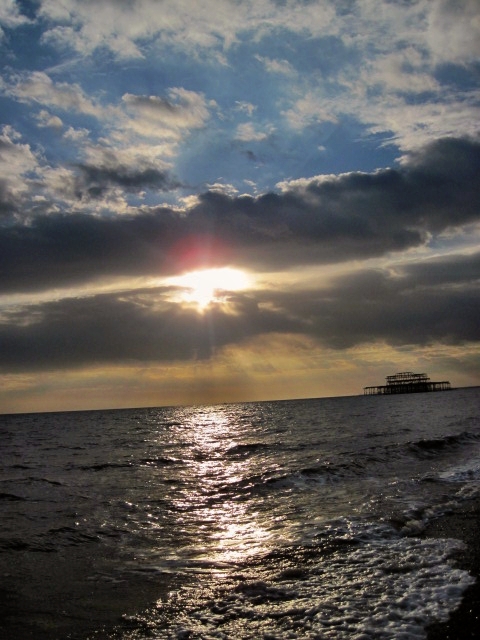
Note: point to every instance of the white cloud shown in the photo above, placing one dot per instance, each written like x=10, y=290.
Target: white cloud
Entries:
x=38, y=87
x=394, y=47
x=154, y=115
x=46, y=119
x=86, y=41
x=454, y=30
x=310, y=108
x=146, y=115
x=119, y=26
x=397, y=49
x=76, y=135
x=10, y=15
x=153, y=125
x=59, y=183
x=245, y=107
x=16, y=161
x=449, y=28
x=413, y=124
x=124, y=27
x=222, y=188
x=246, y=132
x=276, y=66
x=136, y=156
x=400, y=71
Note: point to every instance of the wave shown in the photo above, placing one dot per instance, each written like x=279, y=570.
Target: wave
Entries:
x=11, y=497
x=102, y=466
x=13, y=544
x=359, y=581
x=160, y=461
x=350, y=466
x=426, y=448
x=55, y=483
x=28, y=480
x=72, y=536
x=56, y=538
x=241, y=450
x=421, y=449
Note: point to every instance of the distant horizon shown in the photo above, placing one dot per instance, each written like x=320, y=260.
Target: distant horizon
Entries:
x=219, y=404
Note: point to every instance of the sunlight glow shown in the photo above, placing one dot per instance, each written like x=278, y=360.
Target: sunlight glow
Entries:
x=209, y=285
x=230, y=531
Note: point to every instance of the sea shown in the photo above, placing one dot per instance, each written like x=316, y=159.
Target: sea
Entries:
x=264, y=520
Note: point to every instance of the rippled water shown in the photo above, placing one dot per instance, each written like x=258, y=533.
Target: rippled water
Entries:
x=296, y=519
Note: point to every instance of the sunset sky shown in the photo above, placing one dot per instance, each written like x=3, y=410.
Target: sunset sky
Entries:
x=228, y=200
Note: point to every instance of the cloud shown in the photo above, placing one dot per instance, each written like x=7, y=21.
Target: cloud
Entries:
x=165, y=118
x=10, y=15
x=93, y=182
x=76, y=135
x=246, y=133
x=37, y=86
x=29, y=186
x=139, y=137
x=276, y=66
x=316, y=221
x=435, y=301
x=432, y=302
x=454, y=31
x=449, y=270
x=382, y=68
x=154, y=115
x=17, y=161
x=132, y=326
x=122, y=26
x=406, y=71
x=309, y=110
x=107, y=172
x=45, y=119
x=128, y=27
x=245, y=107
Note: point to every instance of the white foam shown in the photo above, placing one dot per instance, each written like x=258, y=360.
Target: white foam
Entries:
x=380, y=589
x=467, y=472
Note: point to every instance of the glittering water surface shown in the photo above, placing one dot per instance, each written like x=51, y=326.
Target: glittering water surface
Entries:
x=297, y=519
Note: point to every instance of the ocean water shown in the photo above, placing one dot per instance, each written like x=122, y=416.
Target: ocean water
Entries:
x=273, y=520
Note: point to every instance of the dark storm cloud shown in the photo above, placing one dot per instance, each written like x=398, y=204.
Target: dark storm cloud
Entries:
x=434, y=301
x=69, y=249
x=437, y=301
x=132, y=326
x=8, y=203
x=153, y=103
x=94, y=181
x=448, y=270
x=329, y=219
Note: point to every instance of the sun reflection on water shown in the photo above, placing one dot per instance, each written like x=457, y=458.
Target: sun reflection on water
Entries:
x=229, y=530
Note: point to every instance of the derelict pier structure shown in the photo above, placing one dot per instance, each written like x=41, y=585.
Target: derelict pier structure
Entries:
x=407, y=382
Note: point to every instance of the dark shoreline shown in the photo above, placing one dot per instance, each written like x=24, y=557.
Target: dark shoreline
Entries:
x=463, y=523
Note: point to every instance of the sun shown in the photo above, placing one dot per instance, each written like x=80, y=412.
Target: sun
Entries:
x=205, y=286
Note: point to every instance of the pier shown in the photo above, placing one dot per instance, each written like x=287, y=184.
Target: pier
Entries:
x=406, y=382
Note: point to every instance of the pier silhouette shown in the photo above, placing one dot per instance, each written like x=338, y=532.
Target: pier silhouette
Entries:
x=407, y=382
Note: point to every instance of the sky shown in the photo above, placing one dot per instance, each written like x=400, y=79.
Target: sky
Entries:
x=234, y=200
